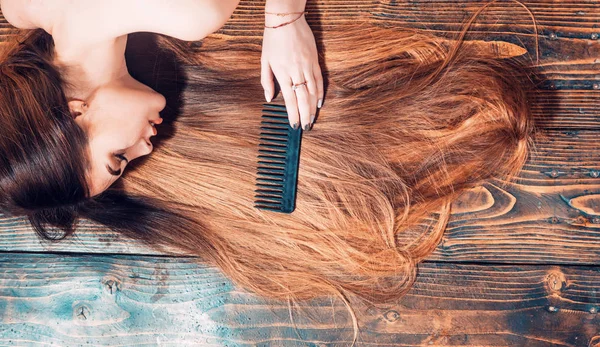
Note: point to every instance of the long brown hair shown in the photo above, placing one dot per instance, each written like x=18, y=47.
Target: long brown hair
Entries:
x=409, y=123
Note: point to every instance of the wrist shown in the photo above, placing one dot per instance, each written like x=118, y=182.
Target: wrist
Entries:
x=273, y=24
x=283, y=12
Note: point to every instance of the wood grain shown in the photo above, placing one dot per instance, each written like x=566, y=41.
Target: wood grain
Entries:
x=511, y=270
x=124, y=300
x=569, y=19
x=568, y=31
x=567, y=110
x=549, y=215
x=527, y=222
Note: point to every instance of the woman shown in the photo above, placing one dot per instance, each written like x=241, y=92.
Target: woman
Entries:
x=411, y=123
x=90, y=39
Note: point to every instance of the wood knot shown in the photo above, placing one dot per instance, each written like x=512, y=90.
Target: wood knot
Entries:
x=554, y=173
x=81, y=312
x=391, y=315
x=111, y=284
x=556, y=281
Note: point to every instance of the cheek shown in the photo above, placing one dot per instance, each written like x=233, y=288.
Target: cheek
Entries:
x=123, y=130
x=107, y=140
x=132, y=119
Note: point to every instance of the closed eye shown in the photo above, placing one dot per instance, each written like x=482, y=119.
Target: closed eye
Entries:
x=121, y=158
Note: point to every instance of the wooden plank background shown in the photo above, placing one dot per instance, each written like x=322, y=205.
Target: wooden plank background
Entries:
x=516, y=267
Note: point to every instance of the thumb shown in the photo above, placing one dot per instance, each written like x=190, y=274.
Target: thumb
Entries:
x=266, y=80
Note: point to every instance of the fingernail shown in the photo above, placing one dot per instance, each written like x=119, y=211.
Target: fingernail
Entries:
x=320, y=103
x=267, y=97
x=312, y=119
x=295, y=126
x=307, y=127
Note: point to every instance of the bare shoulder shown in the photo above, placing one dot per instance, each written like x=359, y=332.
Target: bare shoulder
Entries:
x=79, y=26
x=17, y=13
x=91, y=21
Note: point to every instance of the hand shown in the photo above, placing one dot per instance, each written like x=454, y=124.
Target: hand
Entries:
x=290, y=52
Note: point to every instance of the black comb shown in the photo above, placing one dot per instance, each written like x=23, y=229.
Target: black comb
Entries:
x=278, y=158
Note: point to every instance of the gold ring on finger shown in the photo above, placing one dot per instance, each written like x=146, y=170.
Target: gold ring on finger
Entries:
x=296, y=86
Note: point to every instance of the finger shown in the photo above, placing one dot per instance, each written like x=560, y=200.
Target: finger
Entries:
x=319, y=81
x=291, y=104
x=311, y=86
x=266, y=80
x=302, y=95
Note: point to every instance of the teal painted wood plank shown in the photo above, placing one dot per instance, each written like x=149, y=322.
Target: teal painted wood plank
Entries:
x=126, y=300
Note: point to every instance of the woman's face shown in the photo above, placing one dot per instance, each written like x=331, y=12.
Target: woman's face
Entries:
x=118, y=118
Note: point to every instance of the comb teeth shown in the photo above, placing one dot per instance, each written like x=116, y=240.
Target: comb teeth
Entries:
x=279, y=154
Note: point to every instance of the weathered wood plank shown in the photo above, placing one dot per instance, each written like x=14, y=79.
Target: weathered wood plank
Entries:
x=124, y=300
x=563, y=158
x=569, y=45
x=569, y=31
x=566, y=109
x=550, y=215
x=567, y=19
x=524, y=225
x=528, y=223
x=541, y=219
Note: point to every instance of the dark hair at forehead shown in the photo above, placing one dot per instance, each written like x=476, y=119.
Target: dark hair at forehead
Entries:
x=43, y=152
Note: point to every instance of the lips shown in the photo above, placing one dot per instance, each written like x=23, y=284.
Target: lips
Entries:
x=154, y=131
x=153, y=123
